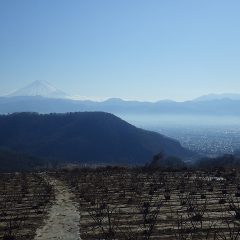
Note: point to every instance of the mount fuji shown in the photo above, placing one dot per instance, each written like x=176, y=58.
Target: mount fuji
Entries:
x=42, y=97
x=39, y=88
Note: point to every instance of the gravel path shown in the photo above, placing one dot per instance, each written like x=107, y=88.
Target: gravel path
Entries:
x=63, y=217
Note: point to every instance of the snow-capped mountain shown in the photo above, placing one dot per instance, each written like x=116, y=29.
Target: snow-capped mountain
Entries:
x=40, y=88
x=221, y=96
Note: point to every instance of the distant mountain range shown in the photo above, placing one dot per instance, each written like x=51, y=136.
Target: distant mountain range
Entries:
x=86, y=138
x=43, y=98
x=212, y=97
x=117, y=106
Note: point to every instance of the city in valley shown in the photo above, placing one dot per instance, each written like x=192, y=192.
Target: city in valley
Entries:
x=209, y=140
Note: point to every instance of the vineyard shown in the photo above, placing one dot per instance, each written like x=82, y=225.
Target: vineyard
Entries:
x=120, y=203
x=24, y=200
x=136, y=204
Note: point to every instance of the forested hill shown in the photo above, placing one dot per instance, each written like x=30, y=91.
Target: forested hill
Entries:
x=11, y=161
x=84, y=137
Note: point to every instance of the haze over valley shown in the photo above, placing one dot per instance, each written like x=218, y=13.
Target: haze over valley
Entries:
x=208, y=125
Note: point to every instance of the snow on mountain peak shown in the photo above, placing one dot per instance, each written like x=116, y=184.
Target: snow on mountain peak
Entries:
x=40, y=88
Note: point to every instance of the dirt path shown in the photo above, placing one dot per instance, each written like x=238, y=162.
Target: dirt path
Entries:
x=63, y=218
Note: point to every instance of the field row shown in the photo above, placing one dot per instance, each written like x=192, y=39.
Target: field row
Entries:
x=23, y=204
x=136, y=204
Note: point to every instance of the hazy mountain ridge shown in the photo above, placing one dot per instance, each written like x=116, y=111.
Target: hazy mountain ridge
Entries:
x=90, y=137
x=42, y=97
x=221, y=96
x=48, y=105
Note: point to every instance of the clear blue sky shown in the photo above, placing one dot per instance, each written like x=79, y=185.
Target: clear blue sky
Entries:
x=133, y=49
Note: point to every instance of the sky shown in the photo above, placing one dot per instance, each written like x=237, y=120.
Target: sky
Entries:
x=131, y=49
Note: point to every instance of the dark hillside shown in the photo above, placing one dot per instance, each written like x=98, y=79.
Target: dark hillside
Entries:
x=84, y=137
x=13, y=161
